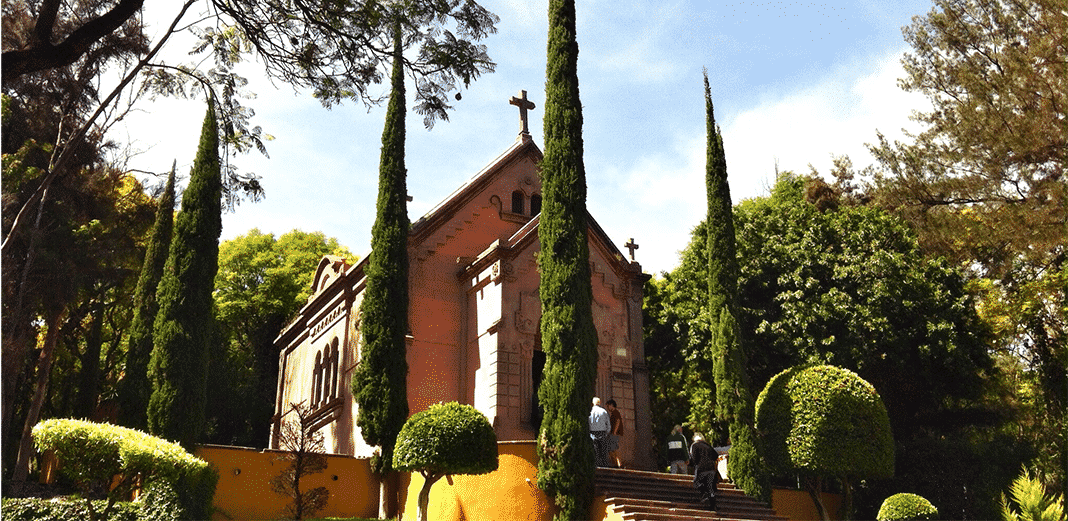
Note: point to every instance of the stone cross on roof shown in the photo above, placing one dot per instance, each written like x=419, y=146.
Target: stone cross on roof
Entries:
x=631, y=245
x=524, y=105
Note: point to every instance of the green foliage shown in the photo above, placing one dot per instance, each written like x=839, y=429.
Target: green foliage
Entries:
x=569, y=338
x=907, y=507
x=379, y=383
x=849, y=286
x=135, y=389
x=825, y=420
x=983, y=182
x=336, y=49
x=91, y=454
x=179, y=363
x=447, y=438
x=1030, y=501
x=65, y=509
x=734, y=402
x=261, y=283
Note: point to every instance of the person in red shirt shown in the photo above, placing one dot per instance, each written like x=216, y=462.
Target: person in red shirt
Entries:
x=616, y=434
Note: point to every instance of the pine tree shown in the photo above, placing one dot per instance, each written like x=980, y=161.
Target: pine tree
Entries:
x=379, y=384
x=569, y=339
x=135, y=390
x=179, y=363
x=734, y=403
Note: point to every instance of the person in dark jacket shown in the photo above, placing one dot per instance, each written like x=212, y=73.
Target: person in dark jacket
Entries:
x=703, y=461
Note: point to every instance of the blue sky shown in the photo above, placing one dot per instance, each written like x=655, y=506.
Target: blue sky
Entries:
x=792, y=84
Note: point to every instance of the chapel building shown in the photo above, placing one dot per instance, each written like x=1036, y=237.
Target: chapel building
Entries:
x=474, y=318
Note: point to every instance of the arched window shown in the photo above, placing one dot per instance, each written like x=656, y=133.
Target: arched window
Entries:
x=317, y=379
x=517, y=202
x=535, y=204
x=324, y=380
x=334, y=359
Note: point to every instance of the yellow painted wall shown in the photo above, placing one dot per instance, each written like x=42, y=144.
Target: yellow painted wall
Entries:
x=244, y=490
x=797, y=505
x=502, y=494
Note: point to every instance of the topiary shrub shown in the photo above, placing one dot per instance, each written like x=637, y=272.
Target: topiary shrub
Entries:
x=93, y=454
x=447, y=438
x=824, y=422
x=906, y=507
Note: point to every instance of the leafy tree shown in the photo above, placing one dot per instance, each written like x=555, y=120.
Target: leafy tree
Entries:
x=983, y=182
x=261, y=283
x=379, y=383
x=305, y=454
x=135, y=390
x=448, y=438
x=182, y=333
x=850, y=286
x=569, y=338
x=734, y=403
x=825, y=422
x=906, y=507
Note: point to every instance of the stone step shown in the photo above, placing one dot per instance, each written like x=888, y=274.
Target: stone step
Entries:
x=690, y=510
x=656, y=496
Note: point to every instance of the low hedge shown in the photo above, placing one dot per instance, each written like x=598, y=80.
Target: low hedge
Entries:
x=92, y=454
x=906, y=507
x=66, y=509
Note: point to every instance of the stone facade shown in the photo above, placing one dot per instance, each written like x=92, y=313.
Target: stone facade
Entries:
x=474, y=315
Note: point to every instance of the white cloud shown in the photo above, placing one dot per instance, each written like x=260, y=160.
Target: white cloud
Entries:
x=661, y=196
x=836, y=115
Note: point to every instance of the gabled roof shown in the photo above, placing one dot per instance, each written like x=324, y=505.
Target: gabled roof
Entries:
x=427, y=223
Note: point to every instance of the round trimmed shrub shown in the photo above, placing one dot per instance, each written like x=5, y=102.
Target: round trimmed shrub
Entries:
x=447, y=438
x=825, y=420
x=906, y=507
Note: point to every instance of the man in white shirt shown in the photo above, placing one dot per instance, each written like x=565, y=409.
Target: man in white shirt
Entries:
x=599, y=425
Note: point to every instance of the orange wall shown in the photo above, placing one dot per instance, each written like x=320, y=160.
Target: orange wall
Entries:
x=502, y=494
x=797, y=505
x=244, y=490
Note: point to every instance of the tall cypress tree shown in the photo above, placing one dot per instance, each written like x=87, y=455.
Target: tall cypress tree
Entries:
x=734, y=403
x=135, y=390
x=179, y=364
x=379, y=383
x=569, y=339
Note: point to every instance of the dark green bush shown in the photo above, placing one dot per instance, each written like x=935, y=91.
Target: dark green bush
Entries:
x=825, y=420
x=92, y=454
x=447, y=438
x=907, y=507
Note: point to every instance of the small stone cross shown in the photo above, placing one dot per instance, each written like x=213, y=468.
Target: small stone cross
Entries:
x=631, y=245
x=524, y=105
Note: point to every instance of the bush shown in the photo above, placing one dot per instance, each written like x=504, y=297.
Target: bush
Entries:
x=92, y=454
x=65, y=509
x=1029, y=501
x=447, y=438
x=826, y=420
x=906, y=507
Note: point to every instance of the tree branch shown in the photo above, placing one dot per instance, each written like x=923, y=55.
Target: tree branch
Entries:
x=42, y=54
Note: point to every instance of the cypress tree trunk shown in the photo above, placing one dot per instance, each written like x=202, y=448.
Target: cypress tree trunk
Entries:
x=135, y=390
x=734, y=403
x=379, y=383
x=182, y=331
x=569, y=338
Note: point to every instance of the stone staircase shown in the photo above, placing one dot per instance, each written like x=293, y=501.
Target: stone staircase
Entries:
x=651, y=496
